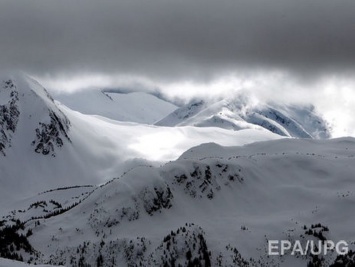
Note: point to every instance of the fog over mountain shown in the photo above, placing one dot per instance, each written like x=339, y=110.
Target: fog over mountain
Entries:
x=292, y=50
x=177, y=133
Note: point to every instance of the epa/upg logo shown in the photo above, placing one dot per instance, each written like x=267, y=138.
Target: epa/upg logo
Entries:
x=281, y=247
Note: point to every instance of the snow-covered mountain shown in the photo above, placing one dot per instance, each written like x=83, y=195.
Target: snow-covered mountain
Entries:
x=86, y=190
x=214, y=206
x=46, y=145
x=137, y=107
x=35, y=111
x=236, y=114
x=32, y=134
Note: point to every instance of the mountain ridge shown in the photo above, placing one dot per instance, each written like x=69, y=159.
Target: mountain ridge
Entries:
x=45, y=144
x=222, y=199
x=236, y=113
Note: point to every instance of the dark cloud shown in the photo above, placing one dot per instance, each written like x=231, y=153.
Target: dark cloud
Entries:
x=177, y=39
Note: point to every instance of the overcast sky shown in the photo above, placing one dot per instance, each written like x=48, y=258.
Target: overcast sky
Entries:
x=290, y=49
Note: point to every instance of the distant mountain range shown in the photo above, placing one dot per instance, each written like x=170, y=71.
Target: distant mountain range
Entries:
x=236, y=114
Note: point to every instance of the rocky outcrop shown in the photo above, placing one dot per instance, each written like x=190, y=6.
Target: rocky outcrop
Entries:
x=9, y=114
x=50, y=135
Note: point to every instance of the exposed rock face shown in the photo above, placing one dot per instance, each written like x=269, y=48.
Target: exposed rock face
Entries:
x=9, y=113
x=50, y=135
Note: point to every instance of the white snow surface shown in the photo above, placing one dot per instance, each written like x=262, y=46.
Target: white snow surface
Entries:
x=137, y=107
x=234, y=197
x=92, y=190
x=238, y=113
x=98, y=149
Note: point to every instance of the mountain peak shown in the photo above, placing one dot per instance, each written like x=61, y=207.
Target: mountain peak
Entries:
x=30, y=113
x=237, y=113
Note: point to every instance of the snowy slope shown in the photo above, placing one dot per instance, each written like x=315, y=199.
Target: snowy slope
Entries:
x=27, y=110
x=237, y=114
x=134, y=107
x=45, y=145
x=218, y=205
x=33, y=132
x=82, y=189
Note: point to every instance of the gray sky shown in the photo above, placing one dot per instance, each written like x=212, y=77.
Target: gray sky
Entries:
x=177, y=39
x=172, y=42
